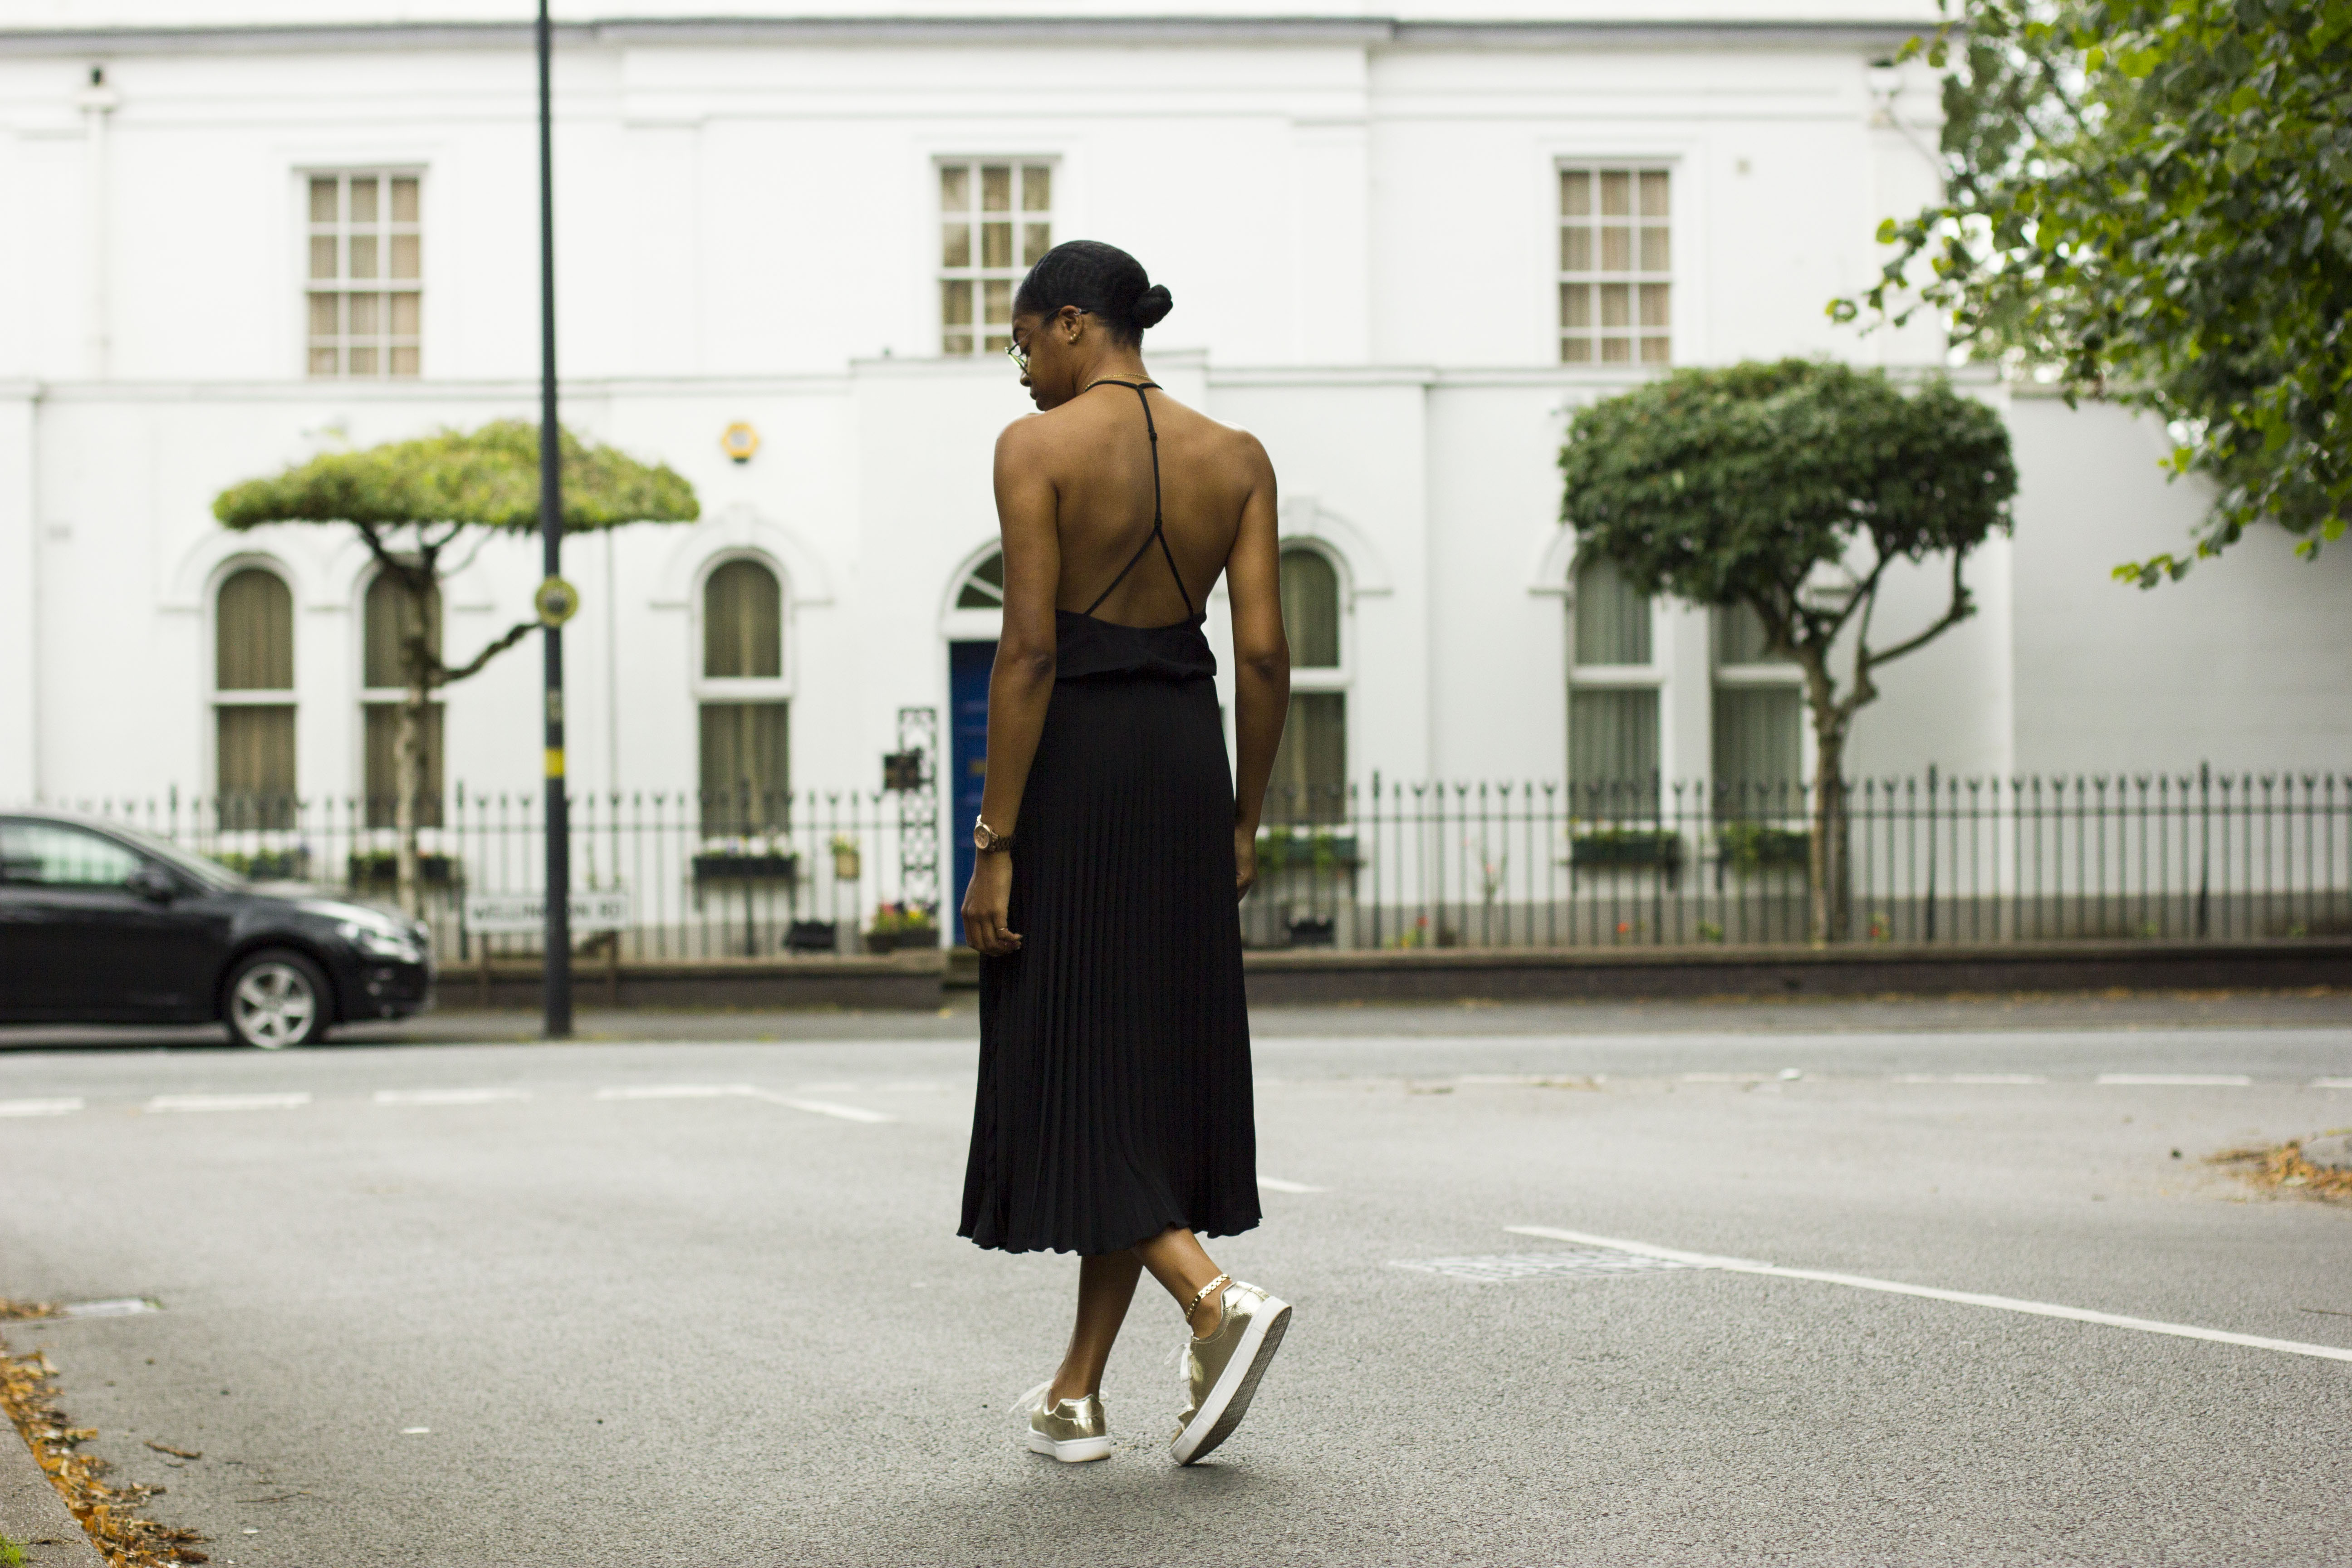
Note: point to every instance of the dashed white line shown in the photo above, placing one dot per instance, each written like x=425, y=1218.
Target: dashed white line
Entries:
x=2331, y=1083
x=815, y=1107
x=1970, y=1078
x=743, y=1091
x=175, y=1103
x=1965, y=1298
x=448, y=1096
x=1276, y=1184
x=2178, y=1079
x=64, y=1105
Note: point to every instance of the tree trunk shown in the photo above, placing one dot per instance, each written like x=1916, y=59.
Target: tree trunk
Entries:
x=408, y=784
x=1825, y=853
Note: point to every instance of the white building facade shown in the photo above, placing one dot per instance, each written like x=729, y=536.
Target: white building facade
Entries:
x=1403, y=249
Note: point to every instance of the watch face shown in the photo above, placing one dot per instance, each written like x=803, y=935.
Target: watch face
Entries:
x=979, y=836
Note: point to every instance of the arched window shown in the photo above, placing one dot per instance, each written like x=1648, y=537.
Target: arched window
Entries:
x=745, y=728
x=1310, y=766
x=389, y=617
x=742, y=623
x=983, y=585
x=252, y=699
x=1613, y=697
x=1758, y=721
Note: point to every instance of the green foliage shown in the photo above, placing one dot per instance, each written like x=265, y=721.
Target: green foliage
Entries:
x=487, y=477
x=2148, y=198
x=12, y=1554
x=1732, y=486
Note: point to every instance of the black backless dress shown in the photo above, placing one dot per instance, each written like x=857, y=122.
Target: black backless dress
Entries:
x=1114, y=1095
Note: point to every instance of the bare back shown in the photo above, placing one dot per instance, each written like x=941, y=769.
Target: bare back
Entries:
x=1099, y=454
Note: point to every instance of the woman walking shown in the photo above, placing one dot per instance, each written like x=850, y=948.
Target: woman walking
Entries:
x=1113, y=1118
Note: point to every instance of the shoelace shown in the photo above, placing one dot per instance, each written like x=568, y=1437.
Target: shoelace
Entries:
x=1027, y=1402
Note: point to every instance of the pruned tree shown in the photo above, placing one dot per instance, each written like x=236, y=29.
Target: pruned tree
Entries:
x=1793, y=488
x=2151, y=202
x=413, y=503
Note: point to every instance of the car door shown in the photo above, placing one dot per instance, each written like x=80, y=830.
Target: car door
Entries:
x=78, y=942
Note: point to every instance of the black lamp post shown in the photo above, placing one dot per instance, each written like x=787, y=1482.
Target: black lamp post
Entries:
x=557, y=968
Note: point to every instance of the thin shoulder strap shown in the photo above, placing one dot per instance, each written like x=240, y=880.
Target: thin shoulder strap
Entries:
x=1158, y=527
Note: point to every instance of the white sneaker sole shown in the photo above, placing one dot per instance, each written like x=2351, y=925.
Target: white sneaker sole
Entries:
x=1072, y=1451
x=1229, y=1401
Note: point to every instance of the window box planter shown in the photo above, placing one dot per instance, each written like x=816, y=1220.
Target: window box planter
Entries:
x=735, y=866
x=811, y=936
x=1312, y=933
x=1280, y=850
x=381, y=869
x=1622, y=848
x=1750, y=846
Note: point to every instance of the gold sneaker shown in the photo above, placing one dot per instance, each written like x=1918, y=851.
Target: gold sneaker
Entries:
x=1071, y=1430
x=1221, y=1372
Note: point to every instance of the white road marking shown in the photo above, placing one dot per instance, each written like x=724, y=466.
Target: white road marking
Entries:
x=666, y=1092
x=1507, y=1267
x=115, y=1307
x=1276, y=1184
x=1728, y=1078
x=1965, y=1298
x=62, y=1106
x=1969, y=1078
x=416, y=1431
x=1535, y=1080
x=447, y=1096
x=743, y=1091
x=814, y=1107
x=2331, y=1083
x=168, y=1103
x=2178, y=1080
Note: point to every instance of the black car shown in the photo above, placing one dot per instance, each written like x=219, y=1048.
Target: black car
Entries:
x=104, y=924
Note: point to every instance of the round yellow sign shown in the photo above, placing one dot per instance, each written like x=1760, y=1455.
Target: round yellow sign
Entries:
x=557, y=602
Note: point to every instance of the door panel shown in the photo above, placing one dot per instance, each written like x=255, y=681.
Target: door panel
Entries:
x=969, y=664
x=76, y=944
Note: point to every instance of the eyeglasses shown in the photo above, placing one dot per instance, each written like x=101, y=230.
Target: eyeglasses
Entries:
x=1018, y=356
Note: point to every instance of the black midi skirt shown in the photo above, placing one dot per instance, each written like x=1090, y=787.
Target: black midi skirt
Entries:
x=1114, y=1095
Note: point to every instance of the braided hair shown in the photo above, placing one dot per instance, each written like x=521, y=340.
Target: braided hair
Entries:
x=1098, y=279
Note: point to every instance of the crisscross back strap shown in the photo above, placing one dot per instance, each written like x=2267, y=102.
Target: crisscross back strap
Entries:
x=1158, y=527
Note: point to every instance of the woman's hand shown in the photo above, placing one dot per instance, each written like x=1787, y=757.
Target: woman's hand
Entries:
x=1244, y=861
x=988, y=906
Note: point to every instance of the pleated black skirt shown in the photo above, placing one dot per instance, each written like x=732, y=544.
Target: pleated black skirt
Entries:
x=1114, y=1096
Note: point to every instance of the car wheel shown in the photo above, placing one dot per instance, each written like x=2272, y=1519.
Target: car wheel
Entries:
x=273, y=1000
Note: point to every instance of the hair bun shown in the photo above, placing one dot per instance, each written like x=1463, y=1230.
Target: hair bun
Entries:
x=1152, y=305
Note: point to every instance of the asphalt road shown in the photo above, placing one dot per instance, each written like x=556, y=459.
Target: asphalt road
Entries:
x=701, y=1302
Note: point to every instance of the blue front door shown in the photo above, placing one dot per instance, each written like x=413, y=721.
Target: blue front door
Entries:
x=969, y=664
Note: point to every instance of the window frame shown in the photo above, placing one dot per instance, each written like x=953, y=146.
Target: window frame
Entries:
x=1654, y=678
x=1785, y=674
x=701, y=688
x=1680, y=240
x=1336, y=680
x=218, y=697
x=939, y=274
x=392, y=697
x=342, y=284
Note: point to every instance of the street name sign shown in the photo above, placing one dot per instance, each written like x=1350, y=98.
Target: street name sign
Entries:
x=528, y=911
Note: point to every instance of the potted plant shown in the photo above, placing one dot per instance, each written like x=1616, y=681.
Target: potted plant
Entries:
x=901, y=925
x=746, y=860
x=848, y=863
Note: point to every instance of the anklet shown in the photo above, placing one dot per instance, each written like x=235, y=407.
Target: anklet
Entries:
x=1202, y=1294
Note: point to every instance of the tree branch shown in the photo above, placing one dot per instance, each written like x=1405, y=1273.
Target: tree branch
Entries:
x=513, y=634
x=1962, y=607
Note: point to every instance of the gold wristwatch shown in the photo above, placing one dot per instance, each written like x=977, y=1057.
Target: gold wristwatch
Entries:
x=987, y=841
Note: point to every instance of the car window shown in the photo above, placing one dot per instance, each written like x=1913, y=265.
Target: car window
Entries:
x=52, y=855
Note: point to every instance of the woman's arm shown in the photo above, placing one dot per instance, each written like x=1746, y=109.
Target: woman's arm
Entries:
x=1022, y=683
x=1261, y=662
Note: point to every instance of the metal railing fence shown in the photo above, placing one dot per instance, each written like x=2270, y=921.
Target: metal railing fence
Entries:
x=730, y=874
x=2206, y=854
